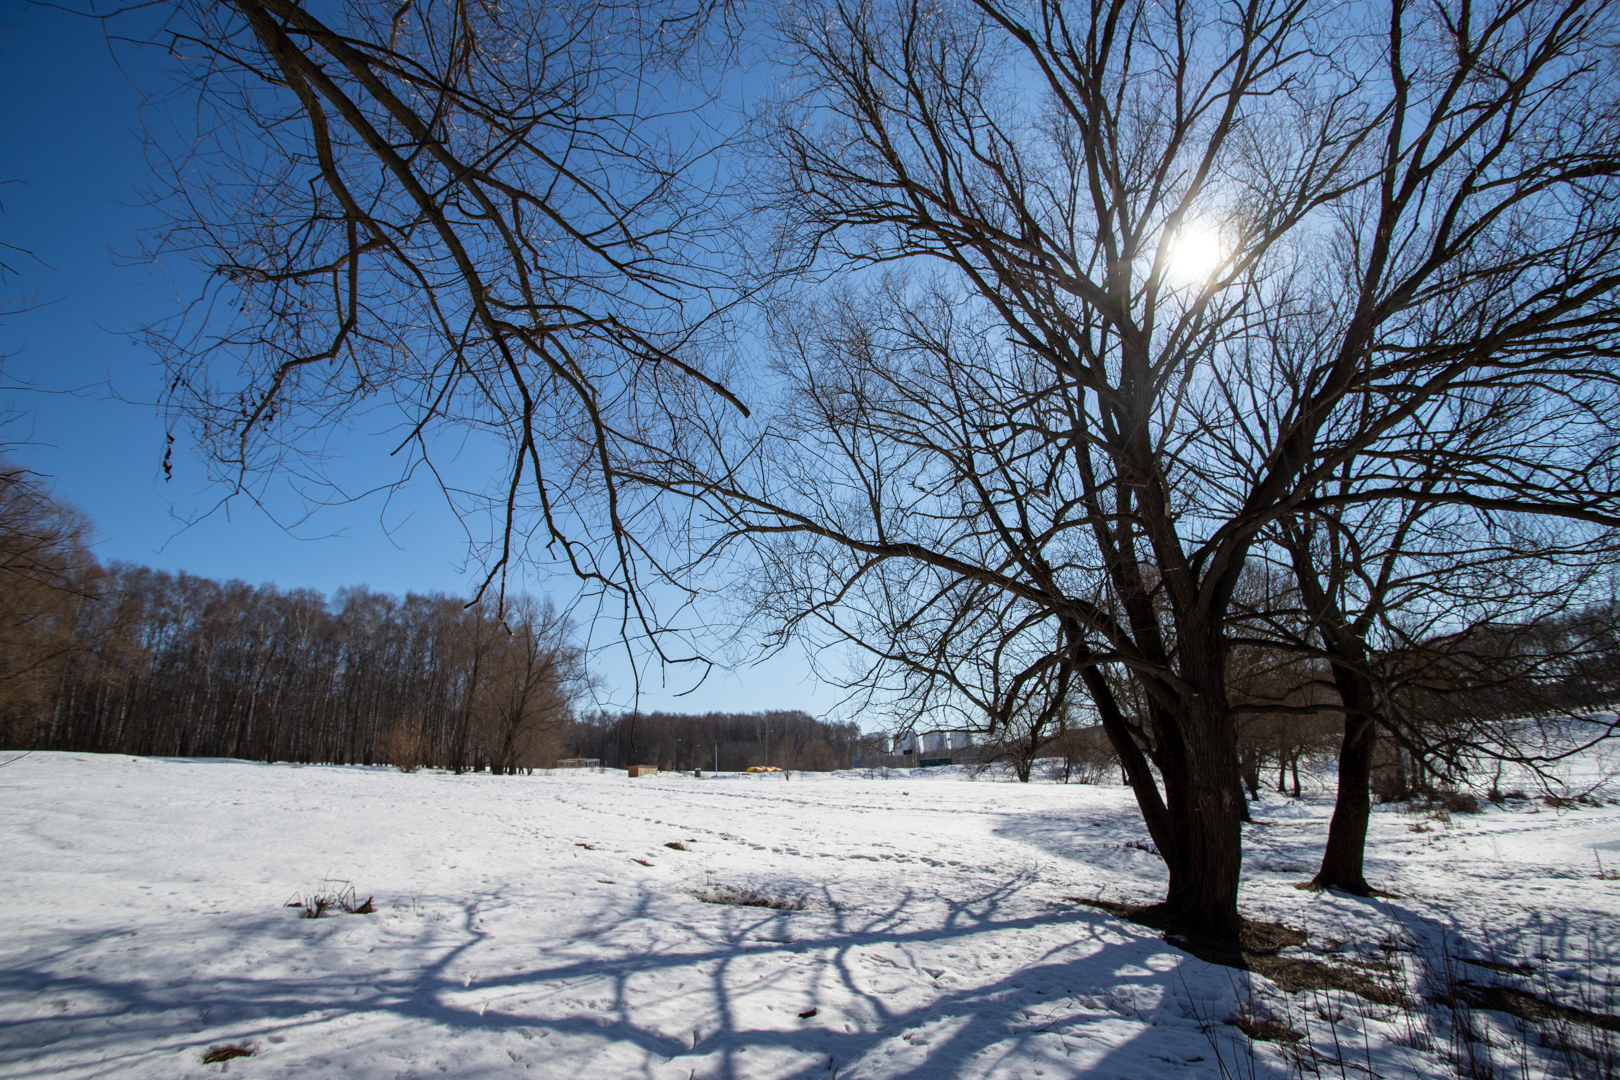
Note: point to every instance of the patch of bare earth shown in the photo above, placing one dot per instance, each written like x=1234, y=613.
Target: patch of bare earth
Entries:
x=1258, y=947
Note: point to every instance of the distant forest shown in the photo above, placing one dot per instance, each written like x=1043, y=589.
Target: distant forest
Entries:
x=127, y=659
x=173, y=664
x=788, y=740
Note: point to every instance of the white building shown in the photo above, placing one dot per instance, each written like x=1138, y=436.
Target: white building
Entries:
x=936, y=747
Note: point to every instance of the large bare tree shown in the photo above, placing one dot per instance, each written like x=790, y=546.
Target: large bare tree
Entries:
x=1159, y=273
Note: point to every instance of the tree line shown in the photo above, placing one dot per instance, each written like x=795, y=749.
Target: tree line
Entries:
x=128, y=659
x=1458, y=708
x=787, y=739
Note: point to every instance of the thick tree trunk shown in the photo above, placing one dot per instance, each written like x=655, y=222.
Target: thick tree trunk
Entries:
x=1197, y=824
x=1204, y=800
x=1342, y=861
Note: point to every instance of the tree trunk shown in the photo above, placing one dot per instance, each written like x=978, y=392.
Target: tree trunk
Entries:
x=1021, y=767
x=1342, y=861
x=1202, y=796
x=1248, y=778
x=1197, y=823
x=1133, y=764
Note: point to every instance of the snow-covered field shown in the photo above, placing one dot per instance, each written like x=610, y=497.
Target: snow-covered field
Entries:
x=540, y=925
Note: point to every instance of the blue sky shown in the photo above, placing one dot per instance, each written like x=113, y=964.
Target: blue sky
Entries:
x=70, y=138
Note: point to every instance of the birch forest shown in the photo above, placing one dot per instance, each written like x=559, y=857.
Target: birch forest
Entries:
x=128, y=659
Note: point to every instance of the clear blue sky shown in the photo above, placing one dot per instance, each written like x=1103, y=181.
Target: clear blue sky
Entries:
x=70, y=137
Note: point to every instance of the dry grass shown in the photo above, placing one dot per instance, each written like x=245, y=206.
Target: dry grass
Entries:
x=1263, y=1028
x=746, y=896
x=333, y=897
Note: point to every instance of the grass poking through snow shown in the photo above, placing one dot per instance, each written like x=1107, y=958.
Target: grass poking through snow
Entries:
x=745, y=896
x=333, y=897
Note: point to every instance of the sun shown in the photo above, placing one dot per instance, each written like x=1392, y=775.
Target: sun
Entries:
x=1196, y=252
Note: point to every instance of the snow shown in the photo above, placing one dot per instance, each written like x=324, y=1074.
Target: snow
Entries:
x=146, y=924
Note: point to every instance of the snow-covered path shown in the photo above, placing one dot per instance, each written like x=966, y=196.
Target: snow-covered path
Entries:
x=541, y=926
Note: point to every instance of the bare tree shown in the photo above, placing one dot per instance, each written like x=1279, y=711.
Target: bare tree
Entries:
x=525, y=701
x=1383, y=582
x=1479, y=696
x=1088, y=754
x=495, y=224
x=1187, y=263
x=47, y=575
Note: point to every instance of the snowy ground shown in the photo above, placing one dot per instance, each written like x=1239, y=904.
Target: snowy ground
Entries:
x=541, y=926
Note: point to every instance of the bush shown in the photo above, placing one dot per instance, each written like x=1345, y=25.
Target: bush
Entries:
x=1392, y=783
x=405, y=747
x=1459, y=802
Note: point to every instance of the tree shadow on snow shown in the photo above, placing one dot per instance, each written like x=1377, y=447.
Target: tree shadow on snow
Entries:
x=1100, y=995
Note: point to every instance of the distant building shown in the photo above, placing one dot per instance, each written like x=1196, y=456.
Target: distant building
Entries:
x=941, y=746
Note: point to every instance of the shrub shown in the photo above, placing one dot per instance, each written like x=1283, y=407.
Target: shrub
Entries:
x=1391, y=783
x=405, y=747
x=1459, y=802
